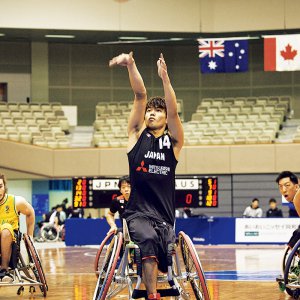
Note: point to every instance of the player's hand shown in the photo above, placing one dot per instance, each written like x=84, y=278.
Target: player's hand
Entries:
x=162, y=67
x=112, y=229
x=122, y=60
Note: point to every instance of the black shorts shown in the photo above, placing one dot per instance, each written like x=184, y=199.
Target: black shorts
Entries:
x=153, y=238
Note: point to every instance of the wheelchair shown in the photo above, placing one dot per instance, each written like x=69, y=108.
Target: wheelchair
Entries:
x=26, y=270
x=114, y=275
x=291, y=275
x=51, y=233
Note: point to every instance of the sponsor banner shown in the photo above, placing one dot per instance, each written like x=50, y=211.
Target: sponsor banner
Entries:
x=264, y=230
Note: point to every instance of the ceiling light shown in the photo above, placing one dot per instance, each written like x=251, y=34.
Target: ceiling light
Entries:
x=176, y=39
x=130, y=38
x=60, y=36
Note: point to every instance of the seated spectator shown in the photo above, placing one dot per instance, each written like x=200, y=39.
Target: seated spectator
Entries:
x=58, y=217
x=274, y=211
x=253, y=211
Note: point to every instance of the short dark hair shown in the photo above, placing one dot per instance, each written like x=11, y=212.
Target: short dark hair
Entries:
x=287, y=174
x=123, y=179
x=272, y=200
x=157, y=102
x=255, y=199
x=2, y=176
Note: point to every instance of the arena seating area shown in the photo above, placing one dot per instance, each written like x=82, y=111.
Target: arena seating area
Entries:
x=237, y=120
x=217, y=121
x=42, y=124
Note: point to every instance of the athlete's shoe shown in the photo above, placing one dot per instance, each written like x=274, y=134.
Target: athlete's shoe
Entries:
x=5, y=276
x=154, y=296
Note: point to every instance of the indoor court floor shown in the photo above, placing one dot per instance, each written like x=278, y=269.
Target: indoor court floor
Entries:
x=232, y=272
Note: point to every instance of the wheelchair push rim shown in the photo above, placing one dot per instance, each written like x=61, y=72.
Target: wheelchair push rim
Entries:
x=97, y=262
x=195, y=274
x=107, y=271
x=35, y=264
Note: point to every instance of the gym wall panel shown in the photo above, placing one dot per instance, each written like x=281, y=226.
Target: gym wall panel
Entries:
x=181, y=166
x=287, y=157
x=208, y=160
x=61, y=14
x=27, y=158
x=292, y=8
x=244, y=15
x=113, y=162
x=253, y=158
x=18, y=86
x=39, y=72
x=156, y=15
x=78, y=162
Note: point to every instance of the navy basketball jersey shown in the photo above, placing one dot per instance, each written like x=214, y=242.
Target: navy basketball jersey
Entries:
x=152, y=167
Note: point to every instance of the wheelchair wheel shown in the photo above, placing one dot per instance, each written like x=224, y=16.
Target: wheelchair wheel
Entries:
x=107, y=270
x=292, y=272
x=285, y=257
x=195, y=274
x=49, y=233
x=99, y=259
x=35, y=264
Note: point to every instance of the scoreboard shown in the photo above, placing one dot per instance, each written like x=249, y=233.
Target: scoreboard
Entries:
x=190, y=191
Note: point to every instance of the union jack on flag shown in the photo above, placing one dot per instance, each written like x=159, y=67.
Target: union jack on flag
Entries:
x=223, y=55
x=211, y=48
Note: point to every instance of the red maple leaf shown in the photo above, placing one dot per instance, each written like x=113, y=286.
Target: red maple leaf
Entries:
x=288, y=54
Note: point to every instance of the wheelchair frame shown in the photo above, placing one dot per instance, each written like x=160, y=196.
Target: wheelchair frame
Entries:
x=26, y=272
x=114, y=274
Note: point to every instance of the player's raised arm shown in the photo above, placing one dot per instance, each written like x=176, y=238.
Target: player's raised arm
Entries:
x=173, y=120
x=136, y=118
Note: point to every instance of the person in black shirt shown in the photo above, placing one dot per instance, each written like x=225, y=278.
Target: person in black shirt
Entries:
x=273, y=211
x=155, y=139
x=119, y=203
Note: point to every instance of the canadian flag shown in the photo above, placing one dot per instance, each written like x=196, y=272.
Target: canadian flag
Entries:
x=282, y=53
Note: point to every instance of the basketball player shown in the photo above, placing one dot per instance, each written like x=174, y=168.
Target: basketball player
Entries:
x=10, y=208
x=155, y=139
x=288, y=184
x=119, y=204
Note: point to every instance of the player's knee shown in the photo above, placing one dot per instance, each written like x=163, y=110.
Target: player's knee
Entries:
x=6, y=235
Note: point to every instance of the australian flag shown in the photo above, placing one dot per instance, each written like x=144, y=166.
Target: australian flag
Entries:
x=222, y=56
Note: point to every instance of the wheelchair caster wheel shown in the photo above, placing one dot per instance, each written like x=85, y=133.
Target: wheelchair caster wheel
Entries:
x=20, y=290
x=32, y=290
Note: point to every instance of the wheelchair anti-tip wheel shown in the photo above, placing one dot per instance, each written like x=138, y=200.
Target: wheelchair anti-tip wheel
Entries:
x=100, y=253
x=107, y=270
x=195, y=274
x=34, y=266
x=292, y=272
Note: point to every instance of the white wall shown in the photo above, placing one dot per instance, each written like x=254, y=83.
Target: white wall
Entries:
x=154, y=15
x=101, y=14
x=21, y=188
x=18, y=87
